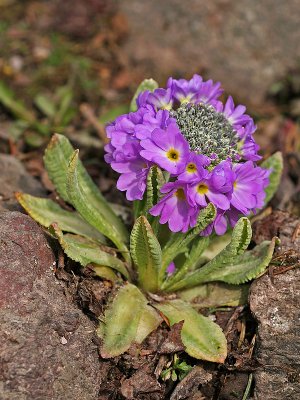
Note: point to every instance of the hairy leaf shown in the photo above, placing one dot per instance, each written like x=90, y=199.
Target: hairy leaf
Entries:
x=104, y=272
x=147, y=84
x=202, y=338
x=86, y=204
x=127, y=319
x=149, y=320
x=57, y=156
x=240, y=240
x=247, y=266
x=46, y=211
x=146, y=254
x=275, y=163
x=216, y=294
x=155, y=181
x=86, y=251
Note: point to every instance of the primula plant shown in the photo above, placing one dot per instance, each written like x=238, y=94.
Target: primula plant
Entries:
x=189, y=164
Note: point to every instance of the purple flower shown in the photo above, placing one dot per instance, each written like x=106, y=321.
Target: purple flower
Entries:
x=175, y=209
x=134, y=183
x=185, y=91
x=209, y=92
x=133, y=169
x=194, y=169
x=152, y=120
x=219, y=225
x=123, y=151
x=246, y=130
x=250, y=149
x=222, y=177
x=216, y=188
x=204, y=192
x=171, y=268
x=235, y=115
x=248, y=187
x=160, y=99
x=194, y=90
x=166, y=148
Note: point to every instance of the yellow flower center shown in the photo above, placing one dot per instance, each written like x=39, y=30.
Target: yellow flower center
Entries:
x=191, y=168
x=173, y=155
x=202, y=188
x=166, y=106
x=235, y=184
x=185, y=100
x=180, y=194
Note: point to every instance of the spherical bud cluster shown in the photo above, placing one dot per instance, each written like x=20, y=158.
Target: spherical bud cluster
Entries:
x=207, y=148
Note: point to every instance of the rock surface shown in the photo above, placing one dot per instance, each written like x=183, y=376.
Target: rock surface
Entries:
x=47, y=349
x=15, y=178
x=275, y=303
x=247, y=45
x=276, y=306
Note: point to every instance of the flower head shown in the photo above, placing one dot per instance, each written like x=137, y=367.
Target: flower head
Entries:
x=206, y=147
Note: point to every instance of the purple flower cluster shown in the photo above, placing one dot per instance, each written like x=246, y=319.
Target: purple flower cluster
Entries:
x=206, y=147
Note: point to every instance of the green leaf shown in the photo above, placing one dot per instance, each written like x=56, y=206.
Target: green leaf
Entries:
x=56, y=159
x=86, y=203
x=86, y=251
x=17, y=129
x=33, y=139
x=245, y=267
x=275, y=163
x=19, y=110
x=155, y=180
x=233, y=265
x=179, y=242
x=46, y=211
x=240, y=240
x=149, y=321
x=46, y=105
x=216, y=294
x=147, y=84
x=65, y=104
x=202, y=338
x=67, y=117
x=16, y=107
x=57, y=155
x=127, y=319
x=104, y=272
x=146, y=254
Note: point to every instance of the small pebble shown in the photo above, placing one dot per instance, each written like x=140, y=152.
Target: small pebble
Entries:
x=63, y=340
